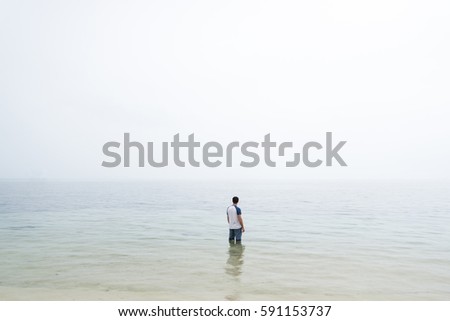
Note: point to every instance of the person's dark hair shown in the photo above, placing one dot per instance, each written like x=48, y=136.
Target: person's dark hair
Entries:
x=235, y=200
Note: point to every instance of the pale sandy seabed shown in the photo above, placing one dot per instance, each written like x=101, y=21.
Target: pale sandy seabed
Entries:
x=42, y=294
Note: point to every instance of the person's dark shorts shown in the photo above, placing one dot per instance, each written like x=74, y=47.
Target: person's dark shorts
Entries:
x=235, y=234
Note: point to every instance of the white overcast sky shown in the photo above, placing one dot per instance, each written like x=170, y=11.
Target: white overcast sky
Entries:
x=76, y=74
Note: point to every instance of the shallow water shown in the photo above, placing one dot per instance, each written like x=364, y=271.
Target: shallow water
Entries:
x=312, y=240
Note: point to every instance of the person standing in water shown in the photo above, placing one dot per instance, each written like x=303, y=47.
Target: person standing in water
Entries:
x=234, y=218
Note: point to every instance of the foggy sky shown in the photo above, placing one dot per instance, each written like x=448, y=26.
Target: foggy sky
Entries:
x=77, y=74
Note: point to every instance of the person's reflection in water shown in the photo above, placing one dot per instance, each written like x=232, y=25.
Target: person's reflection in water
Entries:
x=234, y=267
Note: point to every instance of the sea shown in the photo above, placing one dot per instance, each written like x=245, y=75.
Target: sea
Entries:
x=168, y=240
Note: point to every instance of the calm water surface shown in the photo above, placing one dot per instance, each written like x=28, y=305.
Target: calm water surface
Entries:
x=328, y=240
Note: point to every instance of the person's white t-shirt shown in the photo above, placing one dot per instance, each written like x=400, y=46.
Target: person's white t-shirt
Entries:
x=233, y=211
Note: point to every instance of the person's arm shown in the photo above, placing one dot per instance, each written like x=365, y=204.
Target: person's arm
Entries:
x=241, y=221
